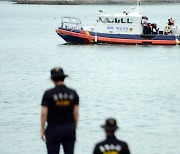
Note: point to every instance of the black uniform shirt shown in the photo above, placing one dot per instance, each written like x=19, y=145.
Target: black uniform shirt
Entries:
x=111, y=146
x=60, y=102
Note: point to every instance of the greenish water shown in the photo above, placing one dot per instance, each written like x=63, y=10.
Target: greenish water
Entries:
x=138, y=85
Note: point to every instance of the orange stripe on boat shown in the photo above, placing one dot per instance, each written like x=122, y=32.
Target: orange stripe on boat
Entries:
x=86, y=35
x=80, y=35
x=164, y=42
x=116, y=40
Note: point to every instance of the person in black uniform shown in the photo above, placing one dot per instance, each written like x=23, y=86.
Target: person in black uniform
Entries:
x=145, y=25
x=111, y=145
x=60, y=110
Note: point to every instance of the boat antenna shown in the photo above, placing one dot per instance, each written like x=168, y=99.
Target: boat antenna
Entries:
x=138, y=6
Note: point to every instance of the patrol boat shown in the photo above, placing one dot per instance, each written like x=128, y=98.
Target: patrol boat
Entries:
x=118, y=28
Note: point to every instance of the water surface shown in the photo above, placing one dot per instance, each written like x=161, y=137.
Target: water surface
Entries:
x=138, y=85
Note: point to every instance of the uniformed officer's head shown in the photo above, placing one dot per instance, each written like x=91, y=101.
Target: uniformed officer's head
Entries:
x=57, y=74
x=110, y=125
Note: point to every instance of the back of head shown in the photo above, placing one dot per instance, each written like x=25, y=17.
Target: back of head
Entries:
x=57, y=74
x=110, y=125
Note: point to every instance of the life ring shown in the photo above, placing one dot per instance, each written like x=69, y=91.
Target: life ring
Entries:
x=167, y=29
x=130, y=29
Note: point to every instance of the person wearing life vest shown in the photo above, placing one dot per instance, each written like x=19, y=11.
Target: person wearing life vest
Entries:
x=111, y=145
x=167, y=29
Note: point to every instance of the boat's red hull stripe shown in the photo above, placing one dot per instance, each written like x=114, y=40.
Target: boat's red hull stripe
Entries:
x=90, y=39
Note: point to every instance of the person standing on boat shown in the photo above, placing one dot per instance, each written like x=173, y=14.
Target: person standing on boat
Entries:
x=111, y=145
x=170, y=22
x=60, y=110
x=145, y=25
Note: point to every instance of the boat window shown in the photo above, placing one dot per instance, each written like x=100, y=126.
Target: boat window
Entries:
x=123, y=20
x=104, y=20
x=101, y=19
x=117, y=20
x=109, y=20
x=129, y=20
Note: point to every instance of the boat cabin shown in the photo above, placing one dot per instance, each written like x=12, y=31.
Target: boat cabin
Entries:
x=121, y=23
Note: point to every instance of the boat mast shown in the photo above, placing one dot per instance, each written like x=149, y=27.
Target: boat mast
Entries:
x=138, y=6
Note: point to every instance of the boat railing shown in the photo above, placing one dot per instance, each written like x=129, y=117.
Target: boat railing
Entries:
x=71, y=23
